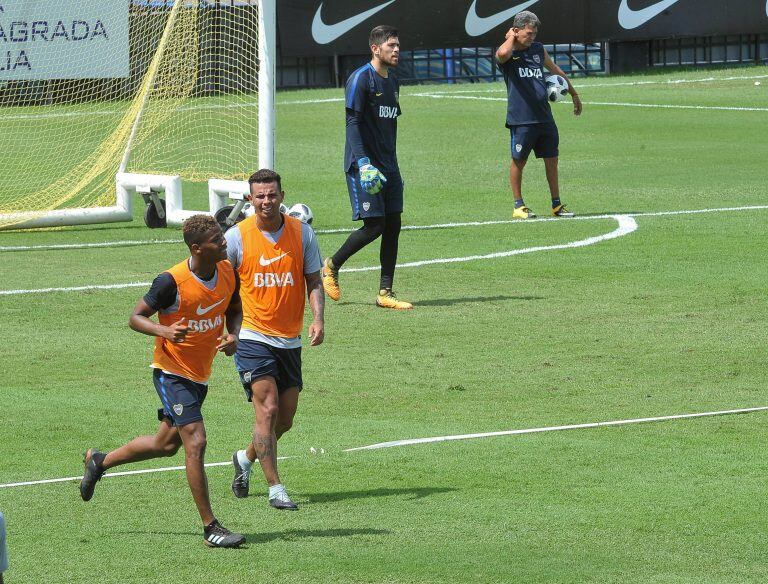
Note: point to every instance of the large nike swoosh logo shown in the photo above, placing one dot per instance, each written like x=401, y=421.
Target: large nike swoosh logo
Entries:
x=477, y=25
x=201, y=311
x=630, y=19
x=327, y=33
x=265, y=262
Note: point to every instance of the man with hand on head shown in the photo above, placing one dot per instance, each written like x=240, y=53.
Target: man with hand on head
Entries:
x=529, y=117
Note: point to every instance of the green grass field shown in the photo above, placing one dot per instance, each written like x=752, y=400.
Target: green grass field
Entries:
x=663, y=318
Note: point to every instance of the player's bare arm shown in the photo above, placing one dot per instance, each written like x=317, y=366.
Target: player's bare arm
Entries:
x=553, y=67
x=504, y=52
x=234, y=314
x=316, y=297
x=141, y=322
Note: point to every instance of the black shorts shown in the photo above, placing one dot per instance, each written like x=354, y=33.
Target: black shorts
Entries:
x=182, y=398
x=254, y=359
x=543, y=139
x=387, y=201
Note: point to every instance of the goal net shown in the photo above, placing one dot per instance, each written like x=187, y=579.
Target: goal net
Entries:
x=90, y=88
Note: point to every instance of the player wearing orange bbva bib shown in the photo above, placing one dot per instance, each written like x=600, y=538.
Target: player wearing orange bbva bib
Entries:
x=278, y=260
x=203, y=311
x=195, y=300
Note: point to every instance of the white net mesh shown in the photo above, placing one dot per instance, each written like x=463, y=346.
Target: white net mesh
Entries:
x=178, y=96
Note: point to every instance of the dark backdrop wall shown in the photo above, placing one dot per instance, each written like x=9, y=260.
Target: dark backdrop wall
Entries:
x=328, y=27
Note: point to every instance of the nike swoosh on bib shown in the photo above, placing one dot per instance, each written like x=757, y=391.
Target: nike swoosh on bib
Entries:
x=201, y=311
x=265, y=262
x=630, y=19
x=327, y=33
x=477, y=25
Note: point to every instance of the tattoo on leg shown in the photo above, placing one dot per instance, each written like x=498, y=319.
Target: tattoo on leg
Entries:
x=265, y=446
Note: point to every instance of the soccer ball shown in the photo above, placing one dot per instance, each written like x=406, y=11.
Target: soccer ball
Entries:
x=557, y=87
x=283, y=208
x=301, y=212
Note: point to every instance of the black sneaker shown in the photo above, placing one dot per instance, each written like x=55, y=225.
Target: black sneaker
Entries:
x=216, y=535
x=281, y=500
x=93, y=471
x=241, y=480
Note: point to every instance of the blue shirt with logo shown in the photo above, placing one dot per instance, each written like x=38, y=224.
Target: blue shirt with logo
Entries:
x=372, y=108
x=527, y=101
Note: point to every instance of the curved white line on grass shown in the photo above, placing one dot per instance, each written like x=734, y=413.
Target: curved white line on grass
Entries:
x=118, y=474
x=407, y=227
x=412, y=441
x=404, y=228
x=626, y=226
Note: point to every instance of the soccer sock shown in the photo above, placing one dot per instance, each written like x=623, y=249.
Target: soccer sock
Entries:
x=555, y=203
x=388, y=251
x=519, y=203
x=275, y=490
x=243, y=461
x=358, y=239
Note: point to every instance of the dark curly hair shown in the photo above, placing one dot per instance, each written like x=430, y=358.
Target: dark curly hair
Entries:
x=197, y=227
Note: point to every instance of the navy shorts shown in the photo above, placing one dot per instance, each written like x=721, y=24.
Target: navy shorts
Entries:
x=388, y=200
x=543, y=139
x=182, y=398
x=254, y=359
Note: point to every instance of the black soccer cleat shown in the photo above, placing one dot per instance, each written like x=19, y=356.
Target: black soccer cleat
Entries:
x=216, y=535
x=241, y=480
x=93, y=472
x=282, y=501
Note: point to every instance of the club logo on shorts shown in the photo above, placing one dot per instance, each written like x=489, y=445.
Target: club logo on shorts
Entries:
x=247, y=376
x=519, y=147
x=178, y=409
x=366, y=206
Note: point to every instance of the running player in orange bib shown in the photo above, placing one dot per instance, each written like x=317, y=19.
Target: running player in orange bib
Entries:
x=194, y=299
x=279, y=261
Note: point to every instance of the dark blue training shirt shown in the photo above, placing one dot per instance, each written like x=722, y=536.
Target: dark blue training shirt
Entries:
x=527, y=101
x=372, y=107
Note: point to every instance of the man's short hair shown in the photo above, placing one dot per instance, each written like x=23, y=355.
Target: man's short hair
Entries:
x=265, y=176
x=526, y=18
x=381, y=34
x=197, y=228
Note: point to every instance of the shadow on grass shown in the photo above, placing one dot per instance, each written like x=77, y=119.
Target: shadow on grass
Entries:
x=452, y=301
x=449, y=301
x=294, y=534
x=415, y=493
x=287, y=535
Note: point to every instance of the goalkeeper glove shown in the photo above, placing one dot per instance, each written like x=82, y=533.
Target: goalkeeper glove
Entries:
x=370, y=176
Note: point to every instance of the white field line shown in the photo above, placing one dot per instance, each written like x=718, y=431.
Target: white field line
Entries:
x=626, y=226
x=609, y=103
x=54, y=246
x=413, y=441
x=118, y=474
x=616, y=84
x=53, y=115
